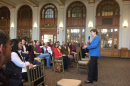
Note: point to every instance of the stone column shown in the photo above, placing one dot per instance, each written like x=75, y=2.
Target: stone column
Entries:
x=36, y=24
x=13, y=30
x=61, y=33
x=90, y=19
x=125, y=35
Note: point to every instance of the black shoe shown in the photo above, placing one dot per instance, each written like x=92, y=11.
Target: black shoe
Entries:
x=51, y=64
x=88, y=82
x=95, y=80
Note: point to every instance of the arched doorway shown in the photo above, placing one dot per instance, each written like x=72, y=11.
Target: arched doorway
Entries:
x=5, y=19
x=48, y=23
x=24, y=22
x=76, y=22
x=107, y=23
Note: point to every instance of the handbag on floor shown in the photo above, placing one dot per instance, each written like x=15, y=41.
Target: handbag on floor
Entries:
x=58, y=67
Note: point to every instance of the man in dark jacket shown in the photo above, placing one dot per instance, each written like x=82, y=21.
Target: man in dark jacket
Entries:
x=66, y=53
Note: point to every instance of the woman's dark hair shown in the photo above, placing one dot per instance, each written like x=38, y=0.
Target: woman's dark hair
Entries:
x=14, y=45
x=55, y=44
x=69, y=45
x=94, y=30
x=30, y=42
x=4, y=38
x=35, y=41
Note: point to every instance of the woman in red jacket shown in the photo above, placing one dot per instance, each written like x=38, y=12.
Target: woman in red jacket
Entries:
x=57, y=52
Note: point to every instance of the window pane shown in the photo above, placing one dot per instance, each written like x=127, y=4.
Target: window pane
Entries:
x=43, y=13
x=75, y=35
x=76, y=12
x=68, y=35
x=83, y=35
x=106, y=38
x=49, y=13
x=107, y=10
x=115, y=38
x=116, y=11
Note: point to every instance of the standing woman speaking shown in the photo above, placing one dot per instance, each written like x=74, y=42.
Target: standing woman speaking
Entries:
x=94, y=52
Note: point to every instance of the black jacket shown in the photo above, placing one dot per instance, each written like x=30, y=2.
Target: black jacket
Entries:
x=13, y=71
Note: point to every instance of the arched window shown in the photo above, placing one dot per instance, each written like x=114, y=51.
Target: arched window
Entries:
x=5, y=19
x=108, y=8
x=48, y=23
x=107, y=23
x=48, y=16
x=76, y=22
x=24, y=21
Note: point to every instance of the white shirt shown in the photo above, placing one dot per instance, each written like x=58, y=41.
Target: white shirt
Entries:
x=18, y=62
x=48, y=49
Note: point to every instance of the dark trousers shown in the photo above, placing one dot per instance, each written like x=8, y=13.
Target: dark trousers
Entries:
x=66, y=62
x=93, y=69
x=14, y=82
x=24, y=76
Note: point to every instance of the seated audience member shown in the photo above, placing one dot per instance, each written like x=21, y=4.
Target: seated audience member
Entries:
x=58, y=43
x=25, y=52
x=65, y=53
x=84, y=50
x=57, y=52
x=47, y=49
x=38, y=52
x=5, y=56
x=16, y=68
x=51, y=45
x=42, y=43
x=26, y=43
x=73, y=51
x=73, y=47
x=30, y=49
x=30, y=46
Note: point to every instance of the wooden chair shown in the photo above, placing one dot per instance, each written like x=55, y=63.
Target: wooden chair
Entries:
x=57, y=60
x=36, y=75
x=82, y=62
x=66, y=82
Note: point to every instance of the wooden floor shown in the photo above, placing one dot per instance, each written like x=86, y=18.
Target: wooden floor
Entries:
x=112, y=72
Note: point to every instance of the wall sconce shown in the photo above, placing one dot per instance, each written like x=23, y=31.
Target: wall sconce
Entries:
x=90, y=24
x=61, y=27
x=125, y=24
x=12, y=26
x=35, y=25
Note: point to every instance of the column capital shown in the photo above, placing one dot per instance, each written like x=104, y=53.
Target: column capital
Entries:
x=126, y=2
x=91, y=1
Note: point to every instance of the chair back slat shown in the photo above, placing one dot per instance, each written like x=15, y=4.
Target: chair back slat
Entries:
x=36, y=75
x=37, y=72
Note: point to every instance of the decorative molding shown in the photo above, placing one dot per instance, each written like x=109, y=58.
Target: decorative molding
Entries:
x=91, y=1
x=32, y=3
x=7, y=3
x=61, y=2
